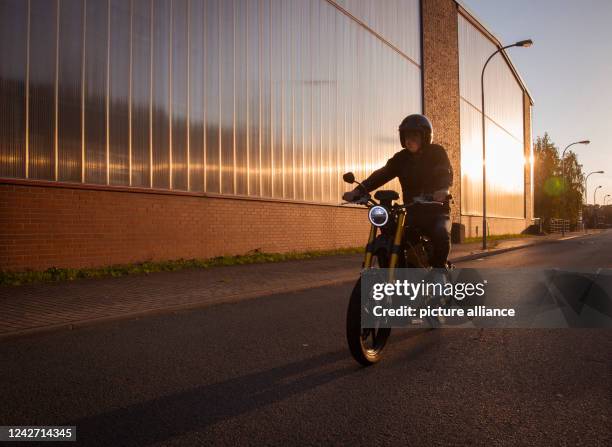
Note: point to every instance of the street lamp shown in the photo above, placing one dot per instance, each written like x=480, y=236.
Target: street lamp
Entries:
x=585, y=183
x=563, y=177
x=586, y=192
x=595, y=194
x=605, y=197
x=521, y=43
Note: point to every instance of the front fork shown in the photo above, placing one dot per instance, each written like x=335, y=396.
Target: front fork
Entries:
x=367, y=262
x=397, y=245
x=395, y=248
x=397, y=241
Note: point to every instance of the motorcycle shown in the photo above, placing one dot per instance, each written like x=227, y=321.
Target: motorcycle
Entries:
x=391, y=245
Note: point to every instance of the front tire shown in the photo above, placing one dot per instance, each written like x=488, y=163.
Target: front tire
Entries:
x=366, y=344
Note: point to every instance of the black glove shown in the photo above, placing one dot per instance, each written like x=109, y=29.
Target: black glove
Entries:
x=352, y=196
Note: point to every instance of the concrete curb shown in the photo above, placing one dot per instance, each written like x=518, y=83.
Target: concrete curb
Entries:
x=244, y=296
x=497, y=251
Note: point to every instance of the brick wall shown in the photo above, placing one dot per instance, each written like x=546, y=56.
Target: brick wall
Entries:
x=44, y=226
x=441, y=83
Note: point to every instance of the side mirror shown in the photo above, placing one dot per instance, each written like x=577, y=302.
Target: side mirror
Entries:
x=349, y=177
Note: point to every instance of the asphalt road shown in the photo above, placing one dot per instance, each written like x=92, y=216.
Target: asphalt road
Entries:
x=276, y=371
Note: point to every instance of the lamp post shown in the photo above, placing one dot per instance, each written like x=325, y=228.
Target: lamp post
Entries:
x=585, y=183
x=594, y=204
x=563, y=177
x=586, y=194
x=595, y=195
x=524, y=44
x=605, y=197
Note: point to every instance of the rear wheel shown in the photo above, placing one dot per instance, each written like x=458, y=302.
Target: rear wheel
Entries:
x=366, y=344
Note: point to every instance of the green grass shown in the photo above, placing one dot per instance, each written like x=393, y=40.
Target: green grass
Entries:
x=55, y=274
x=496, y=237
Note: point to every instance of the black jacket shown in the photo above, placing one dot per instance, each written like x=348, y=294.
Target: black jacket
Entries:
x=422, y=173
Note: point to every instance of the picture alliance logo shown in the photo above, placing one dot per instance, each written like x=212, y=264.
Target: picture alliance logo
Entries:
x=414, y=290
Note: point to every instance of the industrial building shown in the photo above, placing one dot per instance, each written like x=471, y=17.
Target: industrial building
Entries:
x=135, y=130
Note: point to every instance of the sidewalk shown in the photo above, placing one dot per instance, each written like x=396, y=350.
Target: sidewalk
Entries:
x=40, y=307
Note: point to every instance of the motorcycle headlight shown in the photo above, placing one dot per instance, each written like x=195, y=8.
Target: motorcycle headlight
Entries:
x=378, y=215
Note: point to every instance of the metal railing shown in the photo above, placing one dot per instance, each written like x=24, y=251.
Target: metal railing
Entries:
x=558, y=225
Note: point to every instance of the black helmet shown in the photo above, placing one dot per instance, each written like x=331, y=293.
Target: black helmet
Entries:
x=419, y=123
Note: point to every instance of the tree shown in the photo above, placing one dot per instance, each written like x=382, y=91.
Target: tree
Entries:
x=554, y=198
x=573, y=190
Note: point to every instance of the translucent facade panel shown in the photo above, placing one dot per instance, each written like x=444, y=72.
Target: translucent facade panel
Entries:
x=504, y=128
x=315, y=82
x=95, y=89
x=241, y=153
x=531, y=162
x=119, y=86
x=326, y=87
x=13, y=67
x=503, y=94
x=195, y=97
x=339, y=115
x=397, y=21
x=160, y=120
x=276, y=98
x=504, y=98
x=227, y=98
x=70, y=90
x=212, y=161
x=41, y=117
x=471, y=159
x=287, y=106
x=179, y=94
x=140, y=110
x=505, y=167
x=253, y=97
x=307, y=136
x=268, y=98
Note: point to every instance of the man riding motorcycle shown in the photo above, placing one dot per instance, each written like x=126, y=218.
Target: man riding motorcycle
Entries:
x=423, y=169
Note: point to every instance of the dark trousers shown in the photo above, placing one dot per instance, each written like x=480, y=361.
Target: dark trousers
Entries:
x=436, y=226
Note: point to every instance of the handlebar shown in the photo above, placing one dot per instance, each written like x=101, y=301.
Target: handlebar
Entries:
x=366, y=198
x=361, y=200
x=418, y=200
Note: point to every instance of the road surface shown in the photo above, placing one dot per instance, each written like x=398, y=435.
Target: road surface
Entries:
x=276, y=371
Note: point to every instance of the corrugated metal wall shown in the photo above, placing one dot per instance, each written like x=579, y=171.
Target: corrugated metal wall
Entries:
x=504, y=128
x=268, y=98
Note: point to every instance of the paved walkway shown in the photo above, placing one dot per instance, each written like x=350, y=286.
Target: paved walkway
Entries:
x=39, y=307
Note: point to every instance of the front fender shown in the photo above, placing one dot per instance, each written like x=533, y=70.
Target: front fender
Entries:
x=382, y=246
x=382, y=242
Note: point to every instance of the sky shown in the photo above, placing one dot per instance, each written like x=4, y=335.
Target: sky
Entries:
x=568, y=72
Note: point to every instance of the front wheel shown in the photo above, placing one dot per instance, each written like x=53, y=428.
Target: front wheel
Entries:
x=366, y=344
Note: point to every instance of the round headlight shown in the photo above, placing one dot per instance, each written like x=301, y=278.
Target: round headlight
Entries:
x=378, y=215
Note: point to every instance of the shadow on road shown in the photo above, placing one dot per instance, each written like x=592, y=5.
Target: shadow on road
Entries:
x=165, y=417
